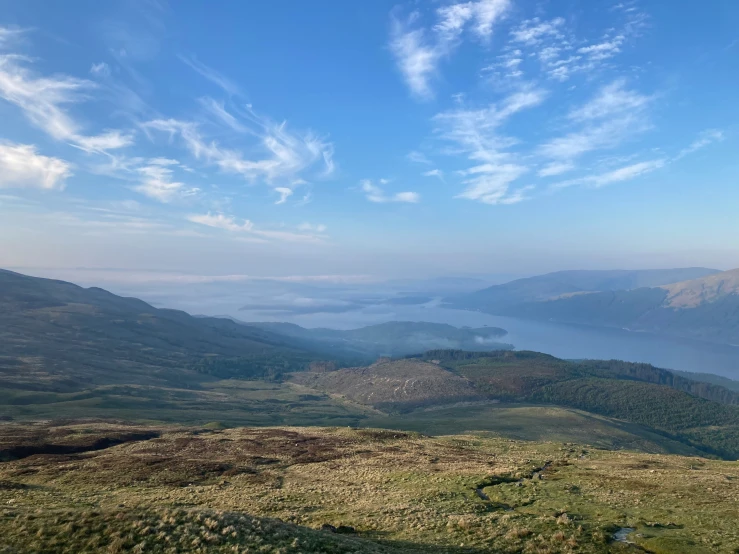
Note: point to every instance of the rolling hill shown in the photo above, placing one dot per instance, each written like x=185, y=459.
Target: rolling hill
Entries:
x=700, y=415
x=394, y=385
x=705, y=308
x=57, y=336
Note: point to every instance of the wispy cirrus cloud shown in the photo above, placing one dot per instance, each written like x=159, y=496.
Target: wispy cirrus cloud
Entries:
x=434, y=173
x=284, y=193
x=21, y=166
x=304, y=233
x=418, y=157
x=477, y=135
x=157, y=182
x=226, y=84
x=100, y=69
x=534, y=32
x=376, y=194
x=313, y=228
x=625, y=173
x=46, y=100
x=612, y=116
x=706, y=138
x=418, y=50
x=220, y=221
x=286, y=154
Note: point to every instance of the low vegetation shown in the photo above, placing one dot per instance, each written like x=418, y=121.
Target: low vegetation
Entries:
x=177, y=489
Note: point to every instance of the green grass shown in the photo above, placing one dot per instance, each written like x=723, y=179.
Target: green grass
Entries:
x=534, y=423
x=231, y=402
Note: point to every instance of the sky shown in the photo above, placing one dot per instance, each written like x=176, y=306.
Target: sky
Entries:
x=341, y=140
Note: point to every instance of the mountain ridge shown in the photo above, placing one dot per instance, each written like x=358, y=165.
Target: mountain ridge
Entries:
x=705, y=308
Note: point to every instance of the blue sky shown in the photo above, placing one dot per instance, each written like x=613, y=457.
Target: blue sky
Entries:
x=325, y=138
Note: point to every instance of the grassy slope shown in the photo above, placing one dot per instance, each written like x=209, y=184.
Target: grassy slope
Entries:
x=231, y=402
x=199, y=491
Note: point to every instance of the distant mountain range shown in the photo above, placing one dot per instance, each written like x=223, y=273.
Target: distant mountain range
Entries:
x=693, y=302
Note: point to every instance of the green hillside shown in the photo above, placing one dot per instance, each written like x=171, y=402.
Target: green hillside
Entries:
x=674, y=407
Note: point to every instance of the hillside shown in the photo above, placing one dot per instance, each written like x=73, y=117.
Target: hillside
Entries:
x=130, y=488
x=567, y=283
x=700, y=415
x=694, y=293
x=706, y=308
x=58, y=336
x=393, y=385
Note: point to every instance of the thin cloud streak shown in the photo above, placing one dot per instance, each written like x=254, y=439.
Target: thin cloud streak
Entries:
x=375, y=194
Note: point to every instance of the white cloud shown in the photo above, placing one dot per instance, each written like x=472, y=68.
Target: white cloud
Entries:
x=418, y=51
x=612, y=116
x=411, y=197
x=218, y=110
x=377, y=195
x=562, y=54
x=22, y=167
x=612, y=99
x=476, y=134
x=110, y=140
x=618, y=175
x=487, y=12
x=157, y=183
x=434, y=173
x=534, y=31
x=220, y=221
x=555, y=168
x=212, y=75
x=603, y=50
x=417, y=60
x=229, y=223
x=308, y=227
x=41, y=99
x=9, y=35
x=284, y=194
x=163, y=161
x=287, y=154
x=44, y=101
x=490, y=183
x=706, y=138
x=100, y=69
x=418, y=157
